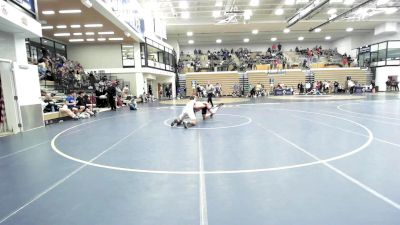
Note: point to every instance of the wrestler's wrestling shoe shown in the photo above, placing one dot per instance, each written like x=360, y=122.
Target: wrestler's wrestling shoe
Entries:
x=185, y=124
x=174, y=122
x=215, y=109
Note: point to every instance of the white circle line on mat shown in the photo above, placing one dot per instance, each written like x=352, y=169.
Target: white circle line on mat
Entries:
x=350, y=153
x=249, y=120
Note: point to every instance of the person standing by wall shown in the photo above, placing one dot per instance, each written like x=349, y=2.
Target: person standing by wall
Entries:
x=125, y=91
x=210, y=93
x=111, y=94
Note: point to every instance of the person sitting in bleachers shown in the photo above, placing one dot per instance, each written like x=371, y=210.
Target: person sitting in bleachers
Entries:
x=70, y=101
x=65, y=109
x=50, y=105
x=82, y=101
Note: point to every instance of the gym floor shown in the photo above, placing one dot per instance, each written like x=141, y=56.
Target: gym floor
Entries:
x=260, y=162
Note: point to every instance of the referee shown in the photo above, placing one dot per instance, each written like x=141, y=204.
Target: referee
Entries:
x=210, y=92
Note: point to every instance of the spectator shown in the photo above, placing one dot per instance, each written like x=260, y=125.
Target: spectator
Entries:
x=218, y=90
x=345, y=62
x=133, y=104
x=70, y=101
x=65, y=109
x=50, y=105
x=111, y=95
x=82, y=102
x=210, y=92
x=125, y=91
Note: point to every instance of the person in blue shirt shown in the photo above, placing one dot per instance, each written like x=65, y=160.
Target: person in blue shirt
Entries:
x=70, y=101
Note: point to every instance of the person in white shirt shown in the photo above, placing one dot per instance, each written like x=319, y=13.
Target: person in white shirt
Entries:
x=125, y=92
x=210, y=92
x=187, y=117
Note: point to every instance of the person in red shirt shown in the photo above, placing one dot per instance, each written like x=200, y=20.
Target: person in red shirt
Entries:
x=345, y=62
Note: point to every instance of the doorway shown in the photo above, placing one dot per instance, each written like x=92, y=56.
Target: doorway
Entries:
x=3, y=118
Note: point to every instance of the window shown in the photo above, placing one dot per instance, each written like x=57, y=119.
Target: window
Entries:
x=158, y=56
x=35, y=47
x=49, y=45
x=393, y=50
x=128, y=57
x=61, y=49
x=382, y=51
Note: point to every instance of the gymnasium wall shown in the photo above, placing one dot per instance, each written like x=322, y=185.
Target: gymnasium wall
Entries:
x=96, y=56
x=347, y=44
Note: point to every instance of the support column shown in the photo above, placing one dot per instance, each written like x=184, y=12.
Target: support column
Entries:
x=137, y=56
x=139, y=89
x=172, y=81
x=21, y=80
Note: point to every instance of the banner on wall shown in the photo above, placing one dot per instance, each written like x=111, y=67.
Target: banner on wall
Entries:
x=160, y=28
x=129, y=12
x=28, y=5
x=365, y=49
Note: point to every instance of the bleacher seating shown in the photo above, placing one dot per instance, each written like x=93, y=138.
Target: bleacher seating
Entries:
x=361, y=76
x=290, y=78
x=226, y=79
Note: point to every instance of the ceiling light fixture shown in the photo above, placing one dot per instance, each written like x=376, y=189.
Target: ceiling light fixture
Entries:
x=328, y=38
x=61, y=26
x=183, y=4
x=290, y=2
x=382, y=2
x=317, y=30
x=62, y=34
x=348, y=2
x=47, y=27
x=218, y=41
x=189, y=33
x=101, y=39
x=185, y=15
x=254, y=31
x=116, y=39
x=127, y=34
x=70, y=11
x=342, y=15
x=218, y=4
x=105, y=32
x=87, y=3
x=286, y=30
x=389, y=11
x=332, y=11
x=349, y=29
x=48, y=12
x=191, y=42
x=90, y=39
x=300, y=38
x=89, y=33
x=274, y=39
x=216, y=14
x=246, y=40
x=254, y=2
x=76, y=40
x=77, y=34
x=247, y=14
x=306, y=11
x=93, y=25
x=301, y=1
x=75, y=26
x=279, y=11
